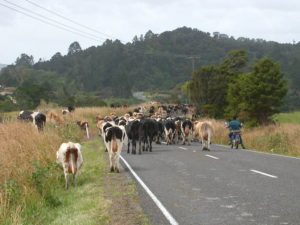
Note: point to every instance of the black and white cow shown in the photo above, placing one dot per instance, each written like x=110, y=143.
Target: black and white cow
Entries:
x=103, y=127
x=37, y=118
x=69, y=109
x=114, y=138
x=186, y=131
x=170, y=129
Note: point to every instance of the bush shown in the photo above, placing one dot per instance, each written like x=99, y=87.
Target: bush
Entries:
x=44, y=179
x=88, y=100
x=7, y=105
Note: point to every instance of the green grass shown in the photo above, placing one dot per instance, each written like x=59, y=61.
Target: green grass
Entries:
x=292, y=117
x=85, y=203
x=97, y=195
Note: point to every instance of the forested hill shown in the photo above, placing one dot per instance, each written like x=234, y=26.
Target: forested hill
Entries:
x=150, y=62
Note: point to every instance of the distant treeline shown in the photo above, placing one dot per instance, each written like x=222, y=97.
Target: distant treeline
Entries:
x=149, y=62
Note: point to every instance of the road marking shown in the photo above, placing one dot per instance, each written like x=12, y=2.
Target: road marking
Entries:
x=265, y=174
x=265, y=153
x=212, y=156
x=164, y=142
x=162, y=208
x=183, y=148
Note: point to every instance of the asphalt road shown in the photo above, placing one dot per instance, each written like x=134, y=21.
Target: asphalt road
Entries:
x=218, y=187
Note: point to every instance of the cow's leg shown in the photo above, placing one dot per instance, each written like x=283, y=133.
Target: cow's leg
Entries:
x=133, y=146
x=158, y=139
x=176, y=138
x=117, y=163
x=150, y=143
x=140, y=146
x=189, y=139
x=128, y=146
x=203, y=143
x=74, y=179
x=172, y=138
x=67, y=180
x=111, y=162
x=144, y=144
x=183, y=138
x=208, y=142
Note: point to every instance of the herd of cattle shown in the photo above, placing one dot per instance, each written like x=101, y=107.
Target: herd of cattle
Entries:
x=145, y=128
x=142, y=127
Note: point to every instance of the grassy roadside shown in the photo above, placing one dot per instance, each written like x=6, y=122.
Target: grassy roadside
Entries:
x=99, y=195
x=32, y=184
x=291, y=118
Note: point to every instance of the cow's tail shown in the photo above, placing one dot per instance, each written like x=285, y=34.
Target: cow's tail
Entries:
x=114, y=144
x=87, y=131
x=71, y=158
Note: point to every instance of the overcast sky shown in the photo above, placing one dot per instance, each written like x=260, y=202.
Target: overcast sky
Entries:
x=275, y=20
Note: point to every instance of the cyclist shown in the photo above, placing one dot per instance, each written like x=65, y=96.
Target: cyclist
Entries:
x=235, y=126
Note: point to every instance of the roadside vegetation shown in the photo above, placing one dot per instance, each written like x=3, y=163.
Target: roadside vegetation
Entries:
x=281, y=138
x=32, y=184
x=291, y=117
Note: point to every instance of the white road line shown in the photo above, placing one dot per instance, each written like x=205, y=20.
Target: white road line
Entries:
x=183, y=148
x=164, y=142
x=163, y=209
x=212, y=156
x=265, y=174
x=265, y=153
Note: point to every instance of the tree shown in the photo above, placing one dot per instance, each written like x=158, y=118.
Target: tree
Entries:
x=74, y=48
x=209, y=85
x=204, y=90
x=24, y=60
x=258, y=95
x=28, y=95
x=57, y=56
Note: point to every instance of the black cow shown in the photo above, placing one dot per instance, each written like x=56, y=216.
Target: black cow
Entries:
x=132, y=130
x=148, y=132
x=40, y=121
x=71, y=108
x=160, y=133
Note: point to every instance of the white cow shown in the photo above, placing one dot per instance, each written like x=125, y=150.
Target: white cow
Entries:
x=70, y=157
x=205, y=131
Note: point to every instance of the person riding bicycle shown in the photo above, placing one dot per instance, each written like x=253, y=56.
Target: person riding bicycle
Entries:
x=235, y=126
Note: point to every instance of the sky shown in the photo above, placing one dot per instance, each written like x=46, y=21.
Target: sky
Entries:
x=272, y=20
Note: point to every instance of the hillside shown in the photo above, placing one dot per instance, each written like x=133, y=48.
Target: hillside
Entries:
x=150, y=62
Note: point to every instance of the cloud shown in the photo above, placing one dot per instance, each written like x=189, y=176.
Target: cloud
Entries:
x=270, y=20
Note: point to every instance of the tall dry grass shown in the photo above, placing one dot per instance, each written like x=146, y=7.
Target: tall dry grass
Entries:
x=280, y=138
x=26, y=159
x=26, y=156
x=21, y=146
